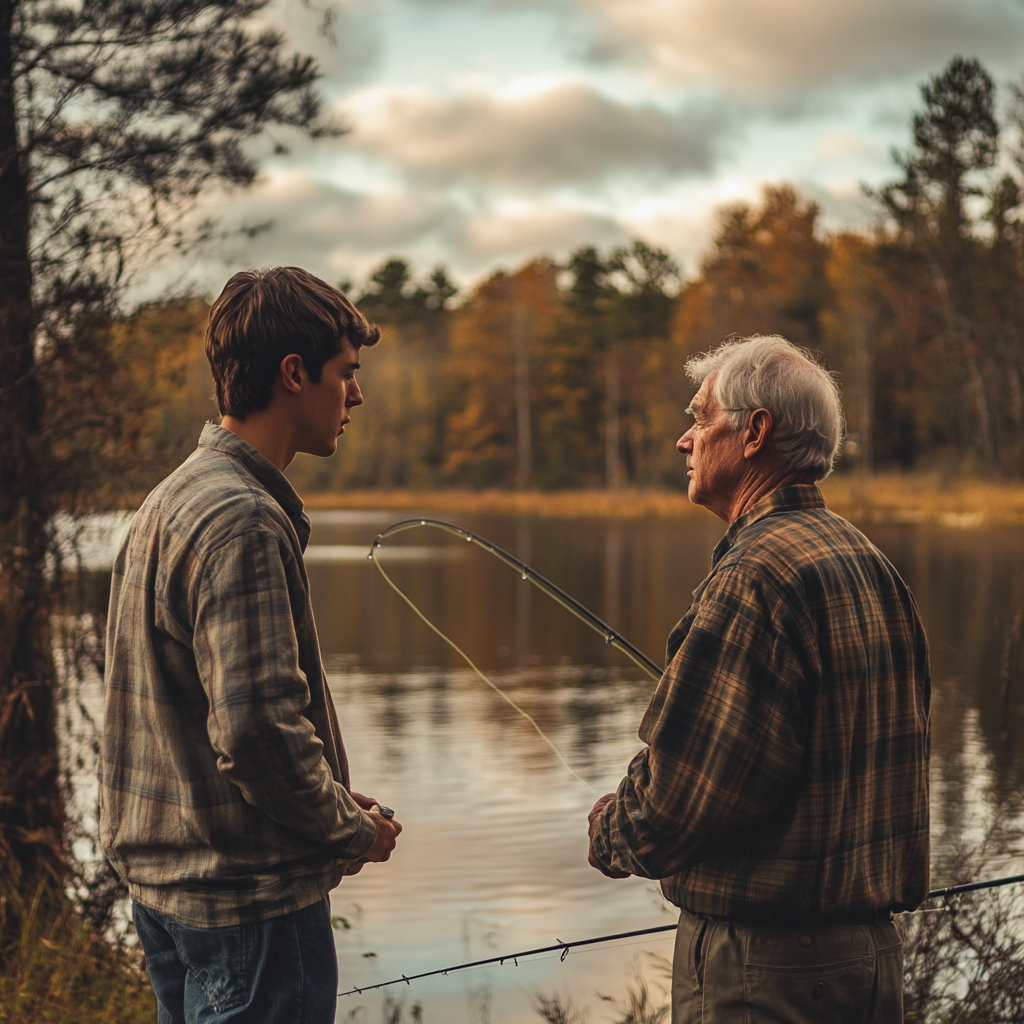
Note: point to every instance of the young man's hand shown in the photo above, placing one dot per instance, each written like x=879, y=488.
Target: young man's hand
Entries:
x=366, y=802
x=388, y=831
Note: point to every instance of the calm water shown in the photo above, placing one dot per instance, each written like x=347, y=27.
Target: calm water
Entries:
x=493, y=858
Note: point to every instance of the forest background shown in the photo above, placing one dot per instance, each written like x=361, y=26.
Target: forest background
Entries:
x=560, y=375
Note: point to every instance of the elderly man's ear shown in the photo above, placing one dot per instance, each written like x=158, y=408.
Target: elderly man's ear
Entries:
x=758, y=432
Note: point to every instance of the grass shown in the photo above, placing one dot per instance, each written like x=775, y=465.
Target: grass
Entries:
x=910, y=498
x=54, y=970
x=641, y=1004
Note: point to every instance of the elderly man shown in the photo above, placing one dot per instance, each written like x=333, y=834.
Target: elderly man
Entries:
x=782, y=797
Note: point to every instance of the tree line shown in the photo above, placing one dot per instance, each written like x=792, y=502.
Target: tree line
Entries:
x=570, y=374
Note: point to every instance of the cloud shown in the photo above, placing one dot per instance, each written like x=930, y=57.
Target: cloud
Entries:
x=568, y=133
x=311, y=214
x=751, y=46
x=338, y=233
x=835, y=146
x=344, y=38
x=844, y=206
x=512, y=235
x=333, y=232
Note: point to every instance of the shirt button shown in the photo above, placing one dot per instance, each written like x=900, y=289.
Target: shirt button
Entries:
x=805, y=940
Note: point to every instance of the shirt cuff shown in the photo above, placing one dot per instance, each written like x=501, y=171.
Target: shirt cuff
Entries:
x=362, y=837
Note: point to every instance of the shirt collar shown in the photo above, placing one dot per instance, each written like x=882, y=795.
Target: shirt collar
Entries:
x=275, y=482
x=785, y=499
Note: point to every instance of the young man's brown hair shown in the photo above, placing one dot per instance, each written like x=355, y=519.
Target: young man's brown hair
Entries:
x=262, y=316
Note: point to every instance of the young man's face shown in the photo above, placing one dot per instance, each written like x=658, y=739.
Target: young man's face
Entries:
x=326, y=405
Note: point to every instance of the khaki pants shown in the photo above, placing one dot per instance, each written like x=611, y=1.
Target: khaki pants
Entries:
x=730, y=973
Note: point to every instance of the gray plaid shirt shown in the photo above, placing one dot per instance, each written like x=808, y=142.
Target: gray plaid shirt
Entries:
x=223, y=778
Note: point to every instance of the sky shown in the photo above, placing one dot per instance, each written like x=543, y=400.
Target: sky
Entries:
x=483, y=133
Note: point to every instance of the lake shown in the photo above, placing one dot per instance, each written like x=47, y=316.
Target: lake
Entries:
x=493, y=859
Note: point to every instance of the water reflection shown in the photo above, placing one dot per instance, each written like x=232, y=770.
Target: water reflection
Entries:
x=494, y=857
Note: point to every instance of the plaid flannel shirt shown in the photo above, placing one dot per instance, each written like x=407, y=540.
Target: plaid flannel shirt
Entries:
x=223, y=778
x=785, y=776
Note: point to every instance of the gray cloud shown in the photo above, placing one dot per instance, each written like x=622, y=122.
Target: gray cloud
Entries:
x=568, y=134
x=337, y=234
x=751, y=46
x=511, y=237
x=347, y=45
x=307, y=212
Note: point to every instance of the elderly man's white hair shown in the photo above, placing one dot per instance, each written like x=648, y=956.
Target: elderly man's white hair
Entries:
x=768, y=372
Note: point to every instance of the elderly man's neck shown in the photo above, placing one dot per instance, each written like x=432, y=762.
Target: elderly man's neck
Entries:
x=758, y=484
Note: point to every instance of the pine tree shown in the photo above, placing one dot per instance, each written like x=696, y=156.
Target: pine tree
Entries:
x=115, y=117
x=956, y=140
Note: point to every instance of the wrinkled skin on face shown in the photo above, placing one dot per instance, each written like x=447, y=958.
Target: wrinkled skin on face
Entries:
x=731, y=470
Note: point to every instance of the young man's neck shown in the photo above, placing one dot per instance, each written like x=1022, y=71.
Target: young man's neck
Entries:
x=265, y=432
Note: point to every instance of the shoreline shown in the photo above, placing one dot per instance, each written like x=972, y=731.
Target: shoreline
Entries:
x=886, y=498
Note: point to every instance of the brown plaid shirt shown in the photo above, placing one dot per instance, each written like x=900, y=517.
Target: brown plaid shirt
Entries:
x=785, y=776
x=223, y=778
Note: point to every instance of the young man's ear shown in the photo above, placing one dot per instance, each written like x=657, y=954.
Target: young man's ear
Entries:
x=292, y=373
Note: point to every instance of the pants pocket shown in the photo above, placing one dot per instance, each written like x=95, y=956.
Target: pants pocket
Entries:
x=218, y=959
x=696, y=953
x=826, y=994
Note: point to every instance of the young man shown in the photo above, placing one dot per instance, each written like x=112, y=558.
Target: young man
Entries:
x=224, y=786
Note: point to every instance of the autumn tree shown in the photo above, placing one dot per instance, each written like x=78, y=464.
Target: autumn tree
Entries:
x=611, y=356
x=765, y=274
x=652, y=385
x=582, y=410
x=115, y=116
x=400, y=440
x=498, y=337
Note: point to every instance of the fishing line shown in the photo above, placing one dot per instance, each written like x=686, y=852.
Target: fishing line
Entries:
x=469, y=661
x=614, y=639
x=610, y=636
x=562, y=948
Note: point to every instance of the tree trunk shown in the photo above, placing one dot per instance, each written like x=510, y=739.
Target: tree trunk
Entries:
x=958, y=324
x=31, y=816
x=612, y=421
x=524, y=440
x=866, y=398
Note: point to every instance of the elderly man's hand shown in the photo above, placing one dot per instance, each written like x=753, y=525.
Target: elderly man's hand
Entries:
x=601, y=803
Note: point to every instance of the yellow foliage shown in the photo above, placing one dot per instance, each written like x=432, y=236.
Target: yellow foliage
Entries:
x=53, y=970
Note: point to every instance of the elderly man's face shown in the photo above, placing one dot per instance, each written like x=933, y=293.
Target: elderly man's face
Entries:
x=714, y=454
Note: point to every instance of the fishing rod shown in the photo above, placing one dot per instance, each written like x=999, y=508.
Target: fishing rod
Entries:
x=614, y=639
x=611, y=637
x=563, y=947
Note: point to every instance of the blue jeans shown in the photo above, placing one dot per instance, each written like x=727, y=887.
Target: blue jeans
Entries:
x=281, y=971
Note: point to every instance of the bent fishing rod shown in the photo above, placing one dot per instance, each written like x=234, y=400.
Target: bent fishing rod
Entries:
x=614, y=639
x=611, y=637
x=562, y=948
